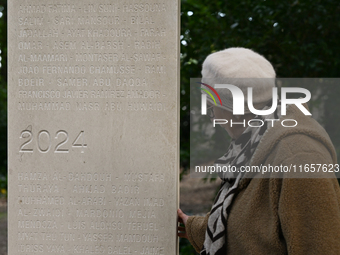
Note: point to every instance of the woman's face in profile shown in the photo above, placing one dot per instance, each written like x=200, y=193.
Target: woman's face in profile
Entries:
x=215, y=112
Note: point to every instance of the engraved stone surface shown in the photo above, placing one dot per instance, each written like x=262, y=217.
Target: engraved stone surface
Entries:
x=93, y=101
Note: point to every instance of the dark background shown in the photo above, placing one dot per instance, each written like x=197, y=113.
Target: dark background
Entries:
x=300, y=39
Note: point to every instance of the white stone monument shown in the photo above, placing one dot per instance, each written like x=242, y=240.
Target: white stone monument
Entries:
x=93, y=126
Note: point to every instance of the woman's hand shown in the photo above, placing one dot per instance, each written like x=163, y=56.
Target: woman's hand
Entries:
x=182, y=219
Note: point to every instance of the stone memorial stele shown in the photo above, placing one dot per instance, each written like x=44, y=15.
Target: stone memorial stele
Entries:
x=93, y=126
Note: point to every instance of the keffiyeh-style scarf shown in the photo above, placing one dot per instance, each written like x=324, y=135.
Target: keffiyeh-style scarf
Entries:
x=239, y=154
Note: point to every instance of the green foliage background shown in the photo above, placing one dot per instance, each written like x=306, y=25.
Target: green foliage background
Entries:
x=298, y=37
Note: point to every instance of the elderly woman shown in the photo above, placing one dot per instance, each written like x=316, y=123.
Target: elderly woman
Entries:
x=266, y=215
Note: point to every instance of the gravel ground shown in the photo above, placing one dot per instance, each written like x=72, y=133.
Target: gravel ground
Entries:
x=196, y=196
x=3, y=227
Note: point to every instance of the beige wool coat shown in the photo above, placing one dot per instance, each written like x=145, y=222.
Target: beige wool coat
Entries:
x=283, y=215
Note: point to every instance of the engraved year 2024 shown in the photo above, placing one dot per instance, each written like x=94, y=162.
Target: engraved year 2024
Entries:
x=44, y=143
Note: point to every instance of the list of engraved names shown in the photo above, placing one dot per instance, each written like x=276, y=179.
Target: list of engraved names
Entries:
x=94, y=51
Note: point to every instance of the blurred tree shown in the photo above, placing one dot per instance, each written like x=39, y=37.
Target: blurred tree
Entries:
x=298, y=37
x=3, y=94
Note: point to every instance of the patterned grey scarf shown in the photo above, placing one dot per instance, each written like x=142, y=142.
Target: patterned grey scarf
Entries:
x=239, y=154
